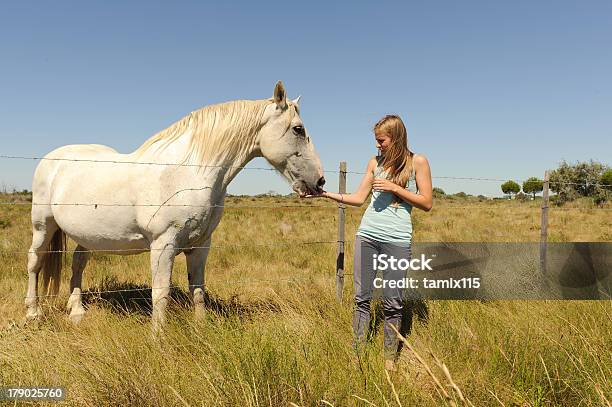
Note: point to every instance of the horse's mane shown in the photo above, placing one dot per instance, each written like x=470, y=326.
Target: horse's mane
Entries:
x=217, y=131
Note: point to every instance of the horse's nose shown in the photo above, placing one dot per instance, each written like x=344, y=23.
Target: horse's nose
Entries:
x=321, y=182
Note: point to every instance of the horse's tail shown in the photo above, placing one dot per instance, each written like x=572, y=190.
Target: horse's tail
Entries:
x=52, y=263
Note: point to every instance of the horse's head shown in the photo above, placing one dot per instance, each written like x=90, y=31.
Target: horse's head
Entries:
x=284, y=142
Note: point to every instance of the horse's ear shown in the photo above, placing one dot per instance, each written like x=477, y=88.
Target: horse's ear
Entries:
x=296, y=101
x=280, y=95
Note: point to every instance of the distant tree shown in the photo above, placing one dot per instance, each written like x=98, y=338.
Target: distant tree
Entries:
x=604, y=189
x=439, y=191
x=606, y=178
x=533, y=186
x=461, y=195
x=571, y=181
x=510, y=187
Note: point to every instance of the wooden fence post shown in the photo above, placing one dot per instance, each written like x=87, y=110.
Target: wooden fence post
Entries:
x=544, y=225
x=340, y=252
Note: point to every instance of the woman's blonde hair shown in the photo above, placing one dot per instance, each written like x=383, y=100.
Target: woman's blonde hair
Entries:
x=397, y=160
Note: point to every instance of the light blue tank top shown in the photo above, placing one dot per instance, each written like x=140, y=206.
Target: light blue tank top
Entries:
x=384, y=222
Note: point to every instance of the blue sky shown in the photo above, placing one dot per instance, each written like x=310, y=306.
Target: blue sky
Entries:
x=487, y=89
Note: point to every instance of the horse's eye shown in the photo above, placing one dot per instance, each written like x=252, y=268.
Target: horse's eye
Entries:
x=299, y=130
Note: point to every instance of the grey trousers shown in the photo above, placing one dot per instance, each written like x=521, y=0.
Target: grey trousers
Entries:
x=364, y=274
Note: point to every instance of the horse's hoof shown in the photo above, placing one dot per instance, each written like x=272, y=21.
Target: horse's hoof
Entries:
x=157, y=335
x=33, y=314
x=199, y=312
x=73, y=302
x=77, y=317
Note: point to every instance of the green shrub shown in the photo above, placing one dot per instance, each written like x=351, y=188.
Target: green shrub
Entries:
x=438, y=192
x=581, y=179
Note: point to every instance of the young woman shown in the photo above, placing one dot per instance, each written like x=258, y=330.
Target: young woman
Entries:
x=399, y=180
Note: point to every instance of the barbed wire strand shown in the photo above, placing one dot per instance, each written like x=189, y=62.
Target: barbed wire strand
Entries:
x=538, y=208
x=132, y=162
x=494, y=206
x=98, y=292
x=554, y=208
x=141, y=250
x=268, y=169
x=158, y=205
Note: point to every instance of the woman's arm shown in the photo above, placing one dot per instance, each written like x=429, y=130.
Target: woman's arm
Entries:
x=360, y=196
x=423, y=199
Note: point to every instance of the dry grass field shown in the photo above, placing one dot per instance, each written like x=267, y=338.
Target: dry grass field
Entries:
x=274, y=334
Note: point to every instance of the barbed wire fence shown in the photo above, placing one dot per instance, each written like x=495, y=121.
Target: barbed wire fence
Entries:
x=127, y=162
x=340, y=242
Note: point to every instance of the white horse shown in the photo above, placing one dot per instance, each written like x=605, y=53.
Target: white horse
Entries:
x=144, y=204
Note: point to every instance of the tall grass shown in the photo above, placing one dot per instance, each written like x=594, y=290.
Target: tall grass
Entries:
x=274, y=335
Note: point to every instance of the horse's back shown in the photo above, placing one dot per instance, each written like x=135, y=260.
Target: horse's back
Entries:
x=61, y=157
x=80, y=181
x=79, y=152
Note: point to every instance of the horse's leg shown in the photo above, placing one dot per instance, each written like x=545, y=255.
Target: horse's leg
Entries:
x=42, y=233
x=75, y=304
x=162, y=260
x=196, y=264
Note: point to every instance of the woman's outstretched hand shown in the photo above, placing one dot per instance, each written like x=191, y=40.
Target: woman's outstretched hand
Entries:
x=381, y=184
x=321, y=194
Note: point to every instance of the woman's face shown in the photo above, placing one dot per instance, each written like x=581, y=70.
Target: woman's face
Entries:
x=383, y=141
